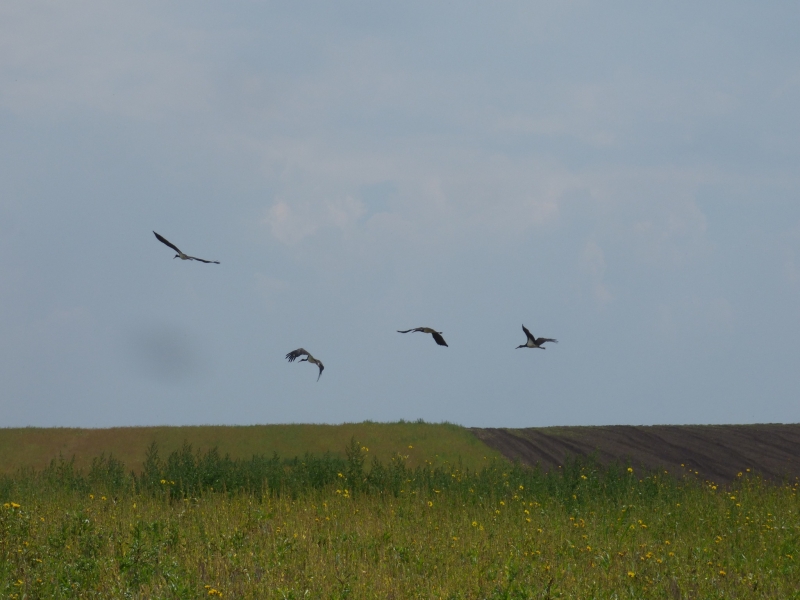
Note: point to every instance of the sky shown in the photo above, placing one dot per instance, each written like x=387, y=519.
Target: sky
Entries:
x=620, y=176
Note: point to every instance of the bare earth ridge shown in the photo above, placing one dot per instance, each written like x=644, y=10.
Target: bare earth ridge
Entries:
x=717, y=452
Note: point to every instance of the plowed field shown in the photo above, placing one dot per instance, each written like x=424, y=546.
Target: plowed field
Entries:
x=716, y=452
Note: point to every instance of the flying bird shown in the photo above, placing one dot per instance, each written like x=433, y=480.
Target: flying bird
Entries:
x=437, y=335
x=534, y=342
x=180, y=254
x=308, y=358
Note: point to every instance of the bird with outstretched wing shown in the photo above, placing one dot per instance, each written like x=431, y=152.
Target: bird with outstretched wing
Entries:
x=294, y=354
x=180, y=254
x=437, y=335
x=533, y=341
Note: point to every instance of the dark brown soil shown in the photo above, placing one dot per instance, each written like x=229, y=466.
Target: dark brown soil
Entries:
x=717, y=452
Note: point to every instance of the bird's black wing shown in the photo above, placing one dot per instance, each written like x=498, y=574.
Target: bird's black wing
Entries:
x=438, y=338
x=164, y=240
x=541, y=341
x=295, y=353
x=214, y=262
x=528, y=333
x=321, y=368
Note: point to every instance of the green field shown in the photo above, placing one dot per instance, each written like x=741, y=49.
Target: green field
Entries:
x=195, y=525
x=35, y=447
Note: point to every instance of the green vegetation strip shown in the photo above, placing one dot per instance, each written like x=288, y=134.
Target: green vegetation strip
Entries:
x=342, y=527
x=35, y=447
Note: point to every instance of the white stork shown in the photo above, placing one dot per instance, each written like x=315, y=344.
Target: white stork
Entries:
x=437, y=335
x=180, y=254
x=308, y=358
x=534, y=342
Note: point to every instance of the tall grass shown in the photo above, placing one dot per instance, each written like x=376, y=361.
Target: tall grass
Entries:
x=34, y=447
x=197, y=524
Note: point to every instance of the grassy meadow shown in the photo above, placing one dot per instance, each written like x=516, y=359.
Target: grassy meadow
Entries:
x=32, y=447
x=201, y=525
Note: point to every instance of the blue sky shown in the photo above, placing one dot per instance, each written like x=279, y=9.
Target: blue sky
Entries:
x=620, y=177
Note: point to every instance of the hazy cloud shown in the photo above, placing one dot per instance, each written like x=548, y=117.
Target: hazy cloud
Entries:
x=292, y=223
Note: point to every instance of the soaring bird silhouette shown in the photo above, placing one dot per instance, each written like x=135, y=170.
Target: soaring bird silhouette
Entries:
x=534, y=342
x=437, y=335
x=180, y=254
x=308, y=358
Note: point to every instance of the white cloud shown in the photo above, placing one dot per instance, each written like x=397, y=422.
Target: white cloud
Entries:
x=455, y=195
x=291, y=223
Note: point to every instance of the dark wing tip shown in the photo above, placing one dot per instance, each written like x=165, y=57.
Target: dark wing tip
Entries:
x=439, y=339
x=295, y=353
x=203, y=260
x=164, y=240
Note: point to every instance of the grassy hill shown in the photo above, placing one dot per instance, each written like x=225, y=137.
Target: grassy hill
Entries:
x=443, y=442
